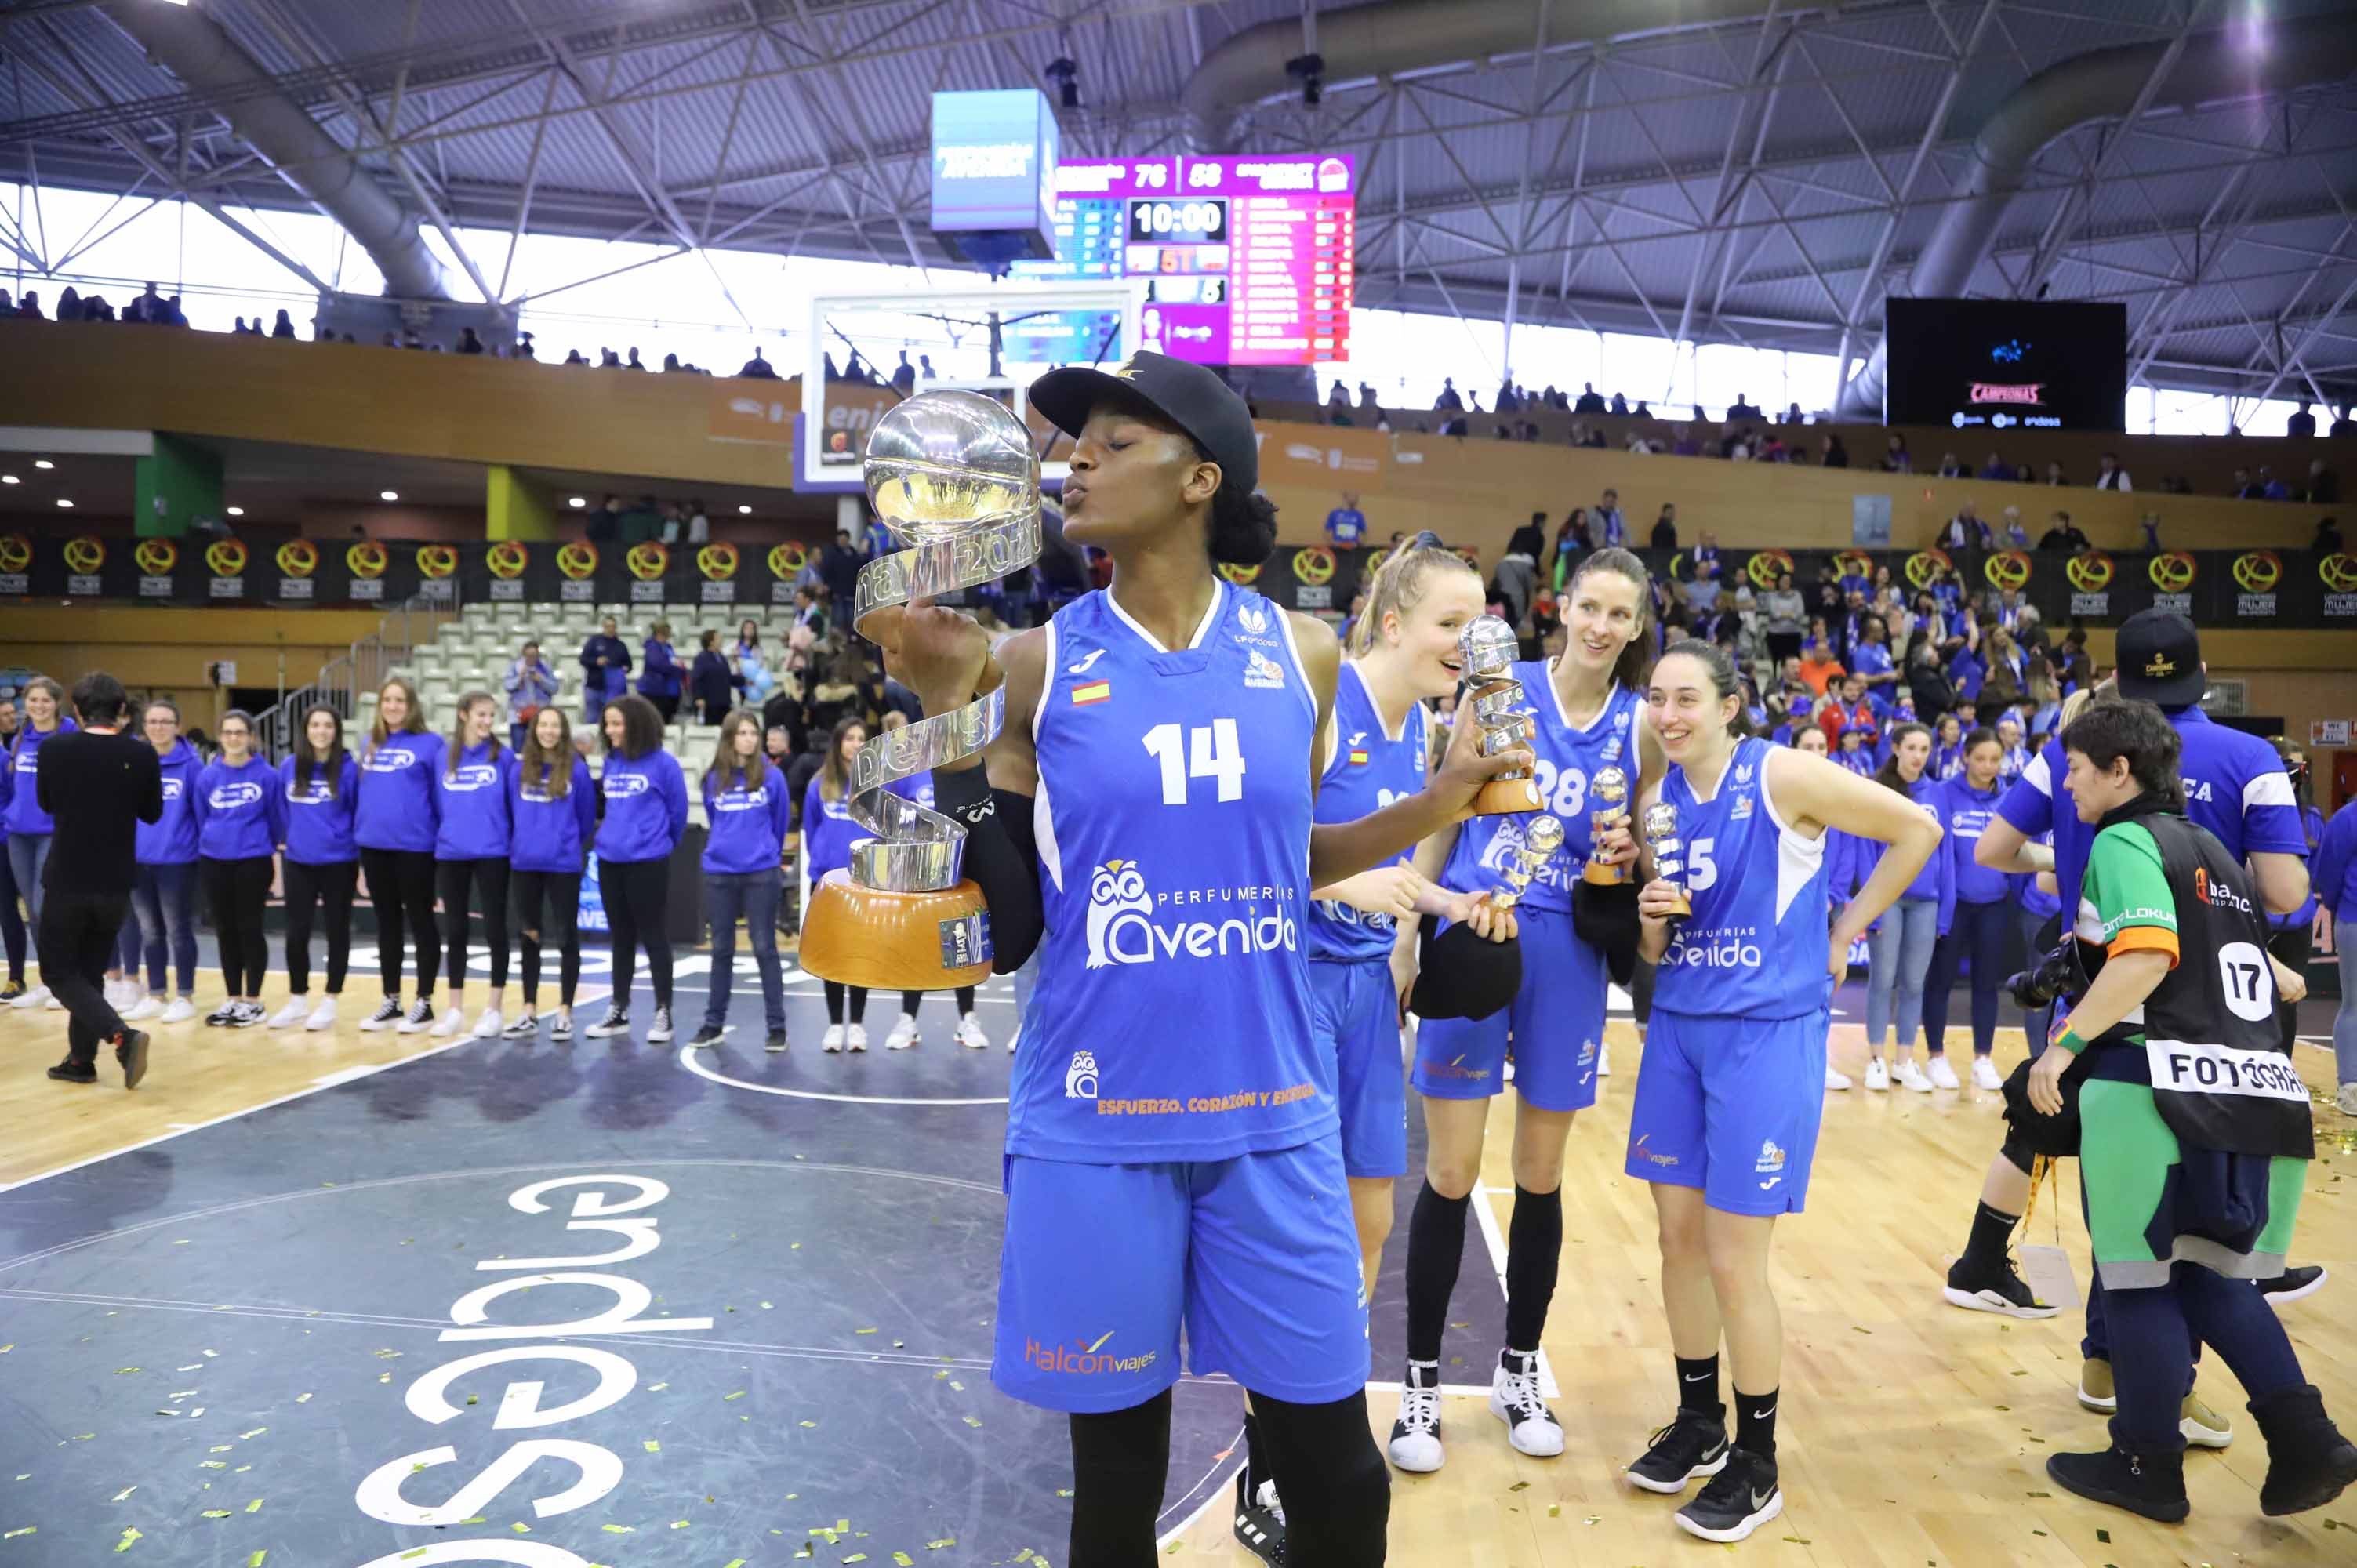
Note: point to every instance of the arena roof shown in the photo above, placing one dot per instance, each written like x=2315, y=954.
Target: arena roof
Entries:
x=1749, y=173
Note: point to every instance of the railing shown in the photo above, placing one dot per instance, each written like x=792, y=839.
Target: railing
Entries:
x=360, y=668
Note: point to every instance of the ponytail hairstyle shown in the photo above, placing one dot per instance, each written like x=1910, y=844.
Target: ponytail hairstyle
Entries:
x=331, y=765
x=1636, y=660
x=1399, y=582
x=458, y=732
x=1888, y=774
x=1723, y=682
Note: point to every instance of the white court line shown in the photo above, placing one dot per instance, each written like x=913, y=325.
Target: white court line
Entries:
x=688, y=1059
x=1496, y=1240
x=1171, y=1537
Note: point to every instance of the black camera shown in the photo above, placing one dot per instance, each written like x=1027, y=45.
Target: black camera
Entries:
x=2057, y=973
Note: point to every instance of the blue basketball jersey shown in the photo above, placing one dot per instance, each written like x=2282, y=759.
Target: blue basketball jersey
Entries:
x=1171, y=1018
x=1370, y=768
x=1567, y=758
x=1755, y=945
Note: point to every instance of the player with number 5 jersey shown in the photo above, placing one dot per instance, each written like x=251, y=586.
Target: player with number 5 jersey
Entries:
x=1145, y=822
x=1730, y=1092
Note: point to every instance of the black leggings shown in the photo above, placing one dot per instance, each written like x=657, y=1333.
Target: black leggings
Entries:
x=836, y=990
x=638, y=904
x=454, y=878
x=909, y=1000
x=560, y=893
x=236, y=891
x=400, y=888
x=332, y=885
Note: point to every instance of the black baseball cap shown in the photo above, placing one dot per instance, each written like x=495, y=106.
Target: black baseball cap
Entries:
x=2160, y=659
x=1463, y=974
x=1190, y=396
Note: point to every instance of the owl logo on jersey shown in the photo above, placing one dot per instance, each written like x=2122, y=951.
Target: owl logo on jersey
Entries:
x=1262, y=672
x=1080, y=1077
x=1116, y=896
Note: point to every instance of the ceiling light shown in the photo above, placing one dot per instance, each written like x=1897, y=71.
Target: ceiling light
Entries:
x=577, y=502
x=237, y=511
x=10, y=480
x=43, y=462
x=65, y=503
x=743, y=511
x=388, y=495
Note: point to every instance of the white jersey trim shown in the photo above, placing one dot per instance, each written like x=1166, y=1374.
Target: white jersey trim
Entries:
x=1799, y=857
x=1210, y=619
x=1293, y=651
x=2038, y=777
x=1554, y=696
x=2269, y=789
x=1043, y=831
x=1047, y=691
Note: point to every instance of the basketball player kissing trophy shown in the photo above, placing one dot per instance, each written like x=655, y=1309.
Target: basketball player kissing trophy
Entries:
x=951, y=474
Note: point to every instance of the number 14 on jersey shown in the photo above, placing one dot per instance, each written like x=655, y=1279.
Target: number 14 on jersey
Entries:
x=1203, y=751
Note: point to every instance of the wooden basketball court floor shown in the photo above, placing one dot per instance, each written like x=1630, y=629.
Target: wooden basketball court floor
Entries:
x=1912, y=1432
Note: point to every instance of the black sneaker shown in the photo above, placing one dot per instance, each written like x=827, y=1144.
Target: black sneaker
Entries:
x=72, y=1071
x=1997, y=1288
x=2152, y=1485
x=221, y=1018
x=776, y=1042
x=387, y=1014
x=2304, y=1280
x=1693, y=1444
x=708, y=1034
x=1260, y=1518
x=1740, y=1498
x=615, y=1022
x=658, y=1032
x=12, y=990
x=132, y=1054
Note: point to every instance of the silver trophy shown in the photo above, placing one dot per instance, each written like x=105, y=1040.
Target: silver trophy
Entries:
x=952, y=475
x=1487, y=647
x=1609, y=790
x=1541, y=839
x=1669, y=852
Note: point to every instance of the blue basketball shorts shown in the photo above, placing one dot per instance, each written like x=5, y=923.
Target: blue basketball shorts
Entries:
x=1256, y=1256
x=1555, y=1022
x=1732, y=1106
x=1354, y=1015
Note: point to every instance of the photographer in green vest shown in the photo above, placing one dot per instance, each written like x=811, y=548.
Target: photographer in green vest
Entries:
x=2194, y=1127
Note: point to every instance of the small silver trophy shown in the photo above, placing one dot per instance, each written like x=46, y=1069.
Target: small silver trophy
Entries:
x=1541, y=839
x=1669, y=851
x=1487, y=647
x=1609, y=790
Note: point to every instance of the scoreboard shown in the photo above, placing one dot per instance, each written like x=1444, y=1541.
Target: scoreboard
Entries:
x=1237, y=260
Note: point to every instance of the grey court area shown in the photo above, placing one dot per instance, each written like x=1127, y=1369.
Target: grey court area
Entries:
x=555, y=1305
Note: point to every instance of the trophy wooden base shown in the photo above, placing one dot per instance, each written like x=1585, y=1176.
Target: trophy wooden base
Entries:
x=1685, y=905
x=892, y=941
x=1502, y=796
x=1603, y=876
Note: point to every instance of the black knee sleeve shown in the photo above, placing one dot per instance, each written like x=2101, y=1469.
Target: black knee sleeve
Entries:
x=1533, y=1249
x=1436, y=1246
x=1119, y=1461
x=1336, y=1488
x=2016, y=1152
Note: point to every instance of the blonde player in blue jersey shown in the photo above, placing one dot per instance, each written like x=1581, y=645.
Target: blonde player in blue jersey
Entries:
x=1730, y=1093
x=1145, y=822
x=1587, y=715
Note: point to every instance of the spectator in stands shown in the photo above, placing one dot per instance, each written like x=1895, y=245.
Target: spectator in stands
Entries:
x=838, y=568
x=1849, y=711
x=529, y=686
x=573, y=357
x=283, y=326
x=2299, y=423
x=1951, y=467
x=632, y=363
x=1589, y=401
x=1833, y=454
x=2054, y=474
x=836, y=694
x=29, y=307
x=1702, y=593
x=1895, y=459
x=468, y=342
x=1665, y=528
x=9, y=721
x=1448, y=401
x=1996, y=467
x=1619, y=403
x=2323, y=485
x=1819, y=667
x=2270, y=488
x=1346, y=525
x=711, y=680
x=1607, y=528
x=604, y=526
x=2013, y=536
x=1792, y=415
x=523, y=350
x=2328, y=541
x=2063, y=535
x=699, y=523
x=1966, y=530
x=809, y=614
x=904, y=376
x=1870, y=660
x=2245, y=488
x=1783, y=608
x=606, y=671
x=1741, y=409
x=661, y=676
x=1573, y=545
x=2111, y=475
x=755, y=369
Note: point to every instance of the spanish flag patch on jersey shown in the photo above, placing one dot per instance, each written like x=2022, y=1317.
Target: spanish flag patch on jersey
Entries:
x=1359, y=758
x=1094, y=692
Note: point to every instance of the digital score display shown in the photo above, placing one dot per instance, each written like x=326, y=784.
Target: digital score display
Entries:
x=1241, y=261
x=2006, y=363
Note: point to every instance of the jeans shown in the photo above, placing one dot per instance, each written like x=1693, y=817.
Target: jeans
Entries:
x=236, y=891
x=164, y=901
x=28, y=854
x=1977, y=932
x=79, y=933
x=559, y=892
x=1899, y=953
x=2345, y=1023
x=753, y=895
